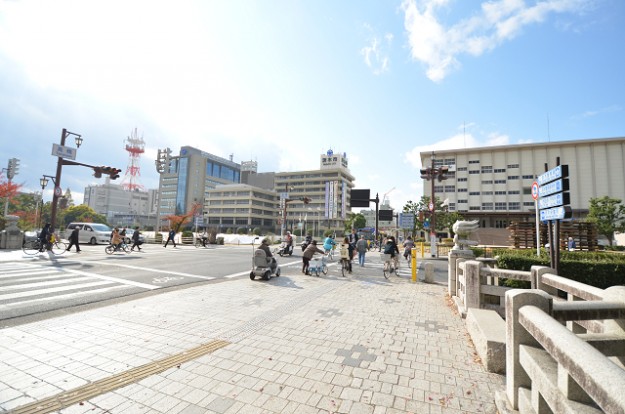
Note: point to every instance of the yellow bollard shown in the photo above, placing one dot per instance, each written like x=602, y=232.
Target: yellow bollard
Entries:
x=413, y=259
x=422, y=249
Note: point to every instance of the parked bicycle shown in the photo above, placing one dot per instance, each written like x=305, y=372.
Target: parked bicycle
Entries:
x=55, y=245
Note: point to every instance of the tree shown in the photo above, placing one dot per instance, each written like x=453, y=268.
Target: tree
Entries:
x=176, y=221
x=82, y=213
x=354, y=221
x=608, y=214
x=8, y=191
x=444, y=218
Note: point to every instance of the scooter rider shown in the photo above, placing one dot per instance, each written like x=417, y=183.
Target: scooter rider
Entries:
x=288, y=249
x=271, y=261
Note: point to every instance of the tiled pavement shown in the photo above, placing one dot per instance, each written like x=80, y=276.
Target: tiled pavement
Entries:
x=295, y=344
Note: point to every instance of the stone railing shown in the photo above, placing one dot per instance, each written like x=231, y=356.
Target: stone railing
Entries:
x=564, y=340
x=555, y=365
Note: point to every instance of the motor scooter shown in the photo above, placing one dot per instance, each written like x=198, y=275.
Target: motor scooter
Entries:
x=261, y=264
x=284, y=250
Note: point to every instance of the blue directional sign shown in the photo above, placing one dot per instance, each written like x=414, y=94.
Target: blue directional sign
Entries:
x=554, y=198
x=406, y=220
x=556, y=213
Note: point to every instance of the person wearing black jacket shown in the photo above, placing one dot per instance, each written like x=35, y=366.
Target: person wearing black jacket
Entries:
x=135, y=240
x=73, y=239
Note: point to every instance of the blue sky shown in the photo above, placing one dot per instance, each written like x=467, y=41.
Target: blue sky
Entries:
x=280, y=82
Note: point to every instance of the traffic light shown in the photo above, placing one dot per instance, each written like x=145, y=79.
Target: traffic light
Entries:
x=13, y=168
x=110, y=171
x=97, y=172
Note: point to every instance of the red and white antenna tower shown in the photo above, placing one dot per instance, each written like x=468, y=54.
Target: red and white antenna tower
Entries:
x=135, y=147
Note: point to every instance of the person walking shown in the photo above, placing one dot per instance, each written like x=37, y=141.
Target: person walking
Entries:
x=353, y=239
x=361, y=248
x=308, y=255
x=172, y=234
x=73, y=240
x=135, y=240
x=347, y=253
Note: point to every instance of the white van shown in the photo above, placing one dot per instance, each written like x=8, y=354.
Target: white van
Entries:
x=92, y=233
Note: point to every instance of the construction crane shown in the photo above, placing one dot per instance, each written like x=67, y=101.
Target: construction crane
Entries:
x=385, y=198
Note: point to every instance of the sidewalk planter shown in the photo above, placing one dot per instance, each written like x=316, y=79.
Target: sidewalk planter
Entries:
x=187, y=240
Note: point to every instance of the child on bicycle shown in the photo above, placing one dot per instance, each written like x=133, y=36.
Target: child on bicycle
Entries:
x=328, y=244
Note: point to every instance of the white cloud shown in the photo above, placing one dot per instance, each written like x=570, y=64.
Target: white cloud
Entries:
x=376, y=54
x=438, y=46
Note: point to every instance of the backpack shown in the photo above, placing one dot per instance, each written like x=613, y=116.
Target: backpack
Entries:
x=388, y=248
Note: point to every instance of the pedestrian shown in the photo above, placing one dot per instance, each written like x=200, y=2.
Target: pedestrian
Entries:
x=135, y=240
x=172, y=234
x=408, y=246
x=361, y=248
x=308, y=254
x=347, y=253
x=571, y=244
x=73, y=239
x=353, y=239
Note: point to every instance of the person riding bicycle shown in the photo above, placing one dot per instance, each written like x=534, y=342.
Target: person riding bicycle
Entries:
x=347, y=253
x=204, y=238
x=328, y=244
x=391, y=248
x=44, y=237
x=408, y=246
x=116, y=239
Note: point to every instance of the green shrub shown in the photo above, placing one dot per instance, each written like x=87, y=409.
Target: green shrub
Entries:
x=220, y=240
x=187, y=233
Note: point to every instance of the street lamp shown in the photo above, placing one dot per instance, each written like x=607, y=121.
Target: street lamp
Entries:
x=433, y=174
x=59, y=166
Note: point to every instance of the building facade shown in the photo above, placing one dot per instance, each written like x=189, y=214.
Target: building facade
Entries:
x=493, y=184
x=188, y=176
x=122, y=207
x=302, y=201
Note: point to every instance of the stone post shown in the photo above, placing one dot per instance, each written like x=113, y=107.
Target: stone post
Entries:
x=12, y=237
x=473, y=284
x=516, y=335
x=453, y=257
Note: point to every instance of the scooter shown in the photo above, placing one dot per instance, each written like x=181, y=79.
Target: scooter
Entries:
x=261, y=265
x=285, y=251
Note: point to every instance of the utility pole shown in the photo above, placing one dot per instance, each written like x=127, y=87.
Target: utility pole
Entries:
x=432, y=174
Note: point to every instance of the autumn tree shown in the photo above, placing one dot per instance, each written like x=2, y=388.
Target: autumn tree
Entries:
x=176, y=221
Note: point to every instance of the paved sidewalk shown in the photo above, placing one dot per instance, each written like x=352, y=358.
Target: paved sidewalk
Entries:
x=294, y=344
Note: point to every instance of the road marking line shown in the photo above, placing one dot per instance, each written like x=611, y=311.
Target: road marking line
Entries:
x=72, y=279
x=168, y=272
x=114, y=279
x=51, y=290
x=73, y=295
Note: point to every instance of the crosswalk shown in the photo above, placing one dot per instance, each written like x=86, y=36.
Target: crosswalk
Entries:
x=29, y=287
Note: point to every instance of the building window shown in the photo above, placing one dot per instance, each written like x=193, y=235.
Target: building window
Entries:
x=474, y=161
x=487, y=193
x=487, y=206
x=474, y=208
x=452, y=206
x=513, y=177
x=500, y=170
x=528, y=204
x=462, y=168
x=450, y=188
x=474, y=193
x=487, y=181
x=501, y=206
x=513, y=165
x=500, y=181
x=462, y=190
x=463, y=201
x=512, y=192
x=487, y=169
x=462, y=180
x=500, y=193
x=528, y=177
x=474, y=172
x=514, y=206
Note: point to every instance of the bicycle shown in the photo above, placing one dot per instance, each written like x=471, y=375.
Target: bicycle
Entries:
x=33, y=247
x=390, y=264
x=200, y=243
x=111, y=248
x=344, y=266
x=330, y=253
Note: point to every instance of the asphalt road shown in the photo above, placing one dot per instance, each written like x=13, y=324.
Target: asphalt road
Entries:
x=36, y=286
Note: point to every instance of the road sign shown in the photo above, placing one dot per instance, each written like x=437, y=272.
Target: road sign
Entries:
x=561, y=171
x=556, y=213
x=553, y=187
x=535, y=188
x=555, y=200
x=431, y=206
x=58, y=191
x=63, y=152
x=406, y=220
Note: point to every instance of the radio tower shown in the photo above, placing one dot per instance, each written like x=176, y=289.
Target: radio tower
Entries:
x=135, y=147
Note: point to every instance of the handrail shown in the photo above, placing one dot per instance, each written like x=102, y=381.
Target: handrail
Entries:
x=600, y=378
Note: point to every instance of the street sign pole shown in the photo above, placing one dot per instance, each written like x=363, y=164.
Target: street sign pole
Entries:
x=535, y=193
